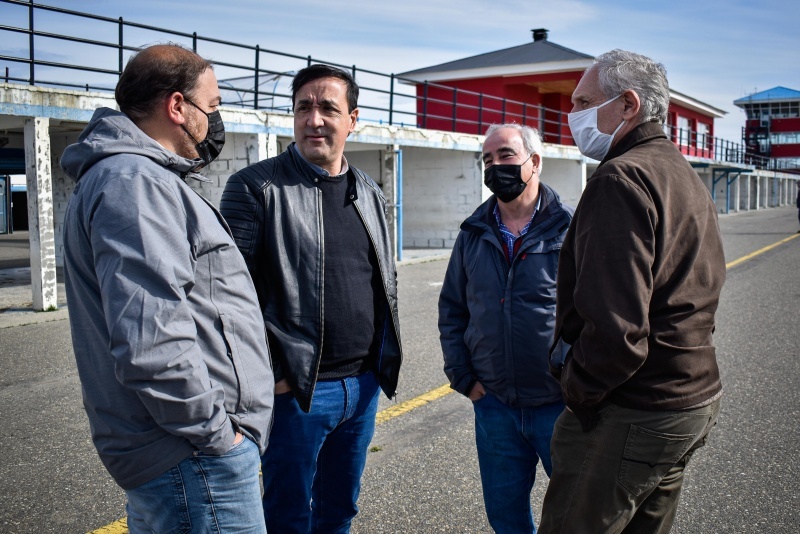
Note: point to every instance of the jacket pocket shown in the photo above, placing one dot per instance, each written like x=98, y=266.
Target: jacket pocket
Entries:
x=560, y=352
x=240, y=380
x=648, y=456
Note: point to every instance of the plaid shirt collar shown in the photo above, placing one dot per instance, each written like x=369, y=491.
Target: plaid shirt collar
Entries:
x=508, y=236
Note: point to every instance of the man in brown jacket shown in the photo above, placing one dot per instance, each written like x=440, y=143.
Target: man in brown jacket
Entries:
x=639, y=280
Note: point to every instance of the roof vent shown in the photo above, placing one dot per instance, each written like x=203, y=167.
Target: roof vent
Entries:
x=539, y=34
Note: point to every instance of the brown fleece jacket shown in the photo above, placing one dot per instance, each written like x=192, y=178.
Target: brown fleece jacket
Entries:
x=639, y=280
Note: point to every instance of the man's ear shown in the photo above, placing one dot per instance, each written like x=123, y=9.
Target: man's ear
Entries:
x=632, y=104
x=536, y=159
x=174, y=106
x=353, y=120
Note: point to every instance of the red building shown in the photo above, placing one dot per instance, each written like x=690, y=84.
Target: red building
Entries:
x=772, y=129
x=532, y=84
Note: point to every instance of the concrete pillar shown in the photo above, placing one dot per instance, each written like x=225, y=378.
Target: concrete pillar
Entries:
x=40, y=213
x=784, y=191
x=737, y=191
x=389, y=180
x=744, y=189
x=745, y=205
x=269, y=143
x=259, y=147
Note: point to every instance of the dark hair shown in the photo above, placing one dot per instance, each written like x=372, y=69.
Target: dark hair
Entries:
x=317, y=71
x=155, y=73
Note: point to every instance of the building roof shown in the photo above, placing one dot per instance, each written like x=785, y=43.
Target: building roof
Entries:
x=539, y=56
x=527, y=58
x=776, y=94
x=697, y=105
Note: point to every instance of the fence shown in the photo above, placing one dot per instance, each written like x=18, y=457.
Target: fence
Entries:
x=258, y=78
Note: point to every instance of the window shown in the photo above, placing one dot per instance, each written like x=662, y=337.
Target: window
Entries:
x=684, y=131
x=702, y=135
x=788, y=138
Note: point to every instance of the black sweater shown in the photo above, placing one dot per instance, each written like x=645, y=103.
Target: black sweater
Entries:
x=354, y=301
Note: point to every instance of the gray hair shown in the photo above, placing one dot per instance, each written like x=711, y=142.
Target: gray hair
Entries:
x=531, y=138
x=620, y=70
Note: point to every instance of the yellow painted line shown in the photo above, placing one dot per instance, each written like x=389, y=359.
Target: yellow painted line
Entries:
x=117, y=527
x=752, y=255
x=416, y=402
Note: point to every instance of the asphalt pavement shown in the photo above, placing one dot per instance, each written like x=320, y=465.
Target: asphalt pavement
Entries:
x=422, y=473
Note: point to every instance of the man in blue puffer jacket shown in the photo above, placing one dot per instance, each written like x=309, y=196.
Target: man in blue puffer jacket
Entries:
x=496, y=320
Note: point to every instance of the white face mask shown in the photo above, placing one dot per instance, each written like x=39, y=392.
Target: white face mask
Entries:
x=590, y=141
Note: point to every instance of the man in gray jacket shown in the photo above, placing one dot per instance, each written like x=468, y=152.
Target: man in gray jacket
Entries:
x=496, y=318
x=166, y=329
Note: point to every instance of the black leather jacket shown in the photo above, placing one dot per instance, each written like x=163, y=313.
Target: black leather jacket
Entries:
x=274, y=211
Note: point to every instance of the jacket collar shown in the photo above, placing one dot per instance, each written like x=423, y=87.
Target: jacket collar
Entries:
x=316, y=168
x=646, y=131
x=550, y=212
x=308, y=171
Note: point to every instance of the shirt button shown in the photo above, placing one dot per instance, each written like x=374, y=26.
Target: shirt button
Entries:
x=352, y=197
x=316, y=180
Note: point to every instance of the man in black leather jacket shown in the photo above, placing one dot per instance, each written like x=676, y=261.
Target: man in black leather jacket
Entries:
x=313, y=232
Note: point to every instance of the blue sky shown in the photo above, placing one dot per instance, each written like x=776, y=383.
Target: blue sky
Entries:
x=716, y=51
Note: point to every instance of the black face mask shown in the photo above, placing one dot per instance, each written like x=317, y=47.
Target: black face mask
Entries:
x=209, y=148
x=505, y=181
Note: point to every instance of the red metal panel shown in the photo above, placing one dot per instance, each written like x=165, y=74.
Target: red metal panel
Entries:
x=785, y=151
x=784, y=125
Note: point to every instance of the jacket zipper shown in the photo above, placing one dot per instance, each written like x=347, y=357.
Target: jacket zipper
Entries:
x=383, y=279
x=321, y=252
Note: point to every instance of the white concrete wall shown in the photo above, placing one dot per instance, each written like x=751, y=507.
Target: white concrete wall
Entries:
x=368, y=161
x=566, y=176
x=744, y=192
x=240, y=150
x=736, y=193
x=719, y=193
x=441, y=188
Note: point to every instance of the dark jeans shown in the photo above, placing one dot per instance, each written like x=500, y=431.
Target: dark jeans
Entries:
x=314, y=461
x=626, y=474
x=510, y=443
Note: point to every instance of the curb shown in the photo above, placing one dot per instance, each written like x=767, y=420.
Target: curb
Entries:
x=25, y=316
x=423, y=259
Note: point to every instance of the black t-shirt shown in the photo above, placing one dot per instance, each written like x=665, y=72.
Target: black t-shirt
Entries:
x=354, y=299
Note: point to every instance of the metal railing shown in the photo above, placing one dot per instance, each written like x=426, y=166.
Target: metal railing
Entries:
x=35, y=45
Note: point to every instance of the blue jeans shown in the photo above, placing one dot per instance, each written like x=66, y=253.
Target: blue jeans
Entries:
x=202, y=494
x=313, y=464
x=510, y=443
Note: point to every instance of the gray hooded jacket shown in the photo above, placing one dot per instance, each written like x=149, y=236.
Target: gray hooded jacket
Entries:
x=166, y=328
